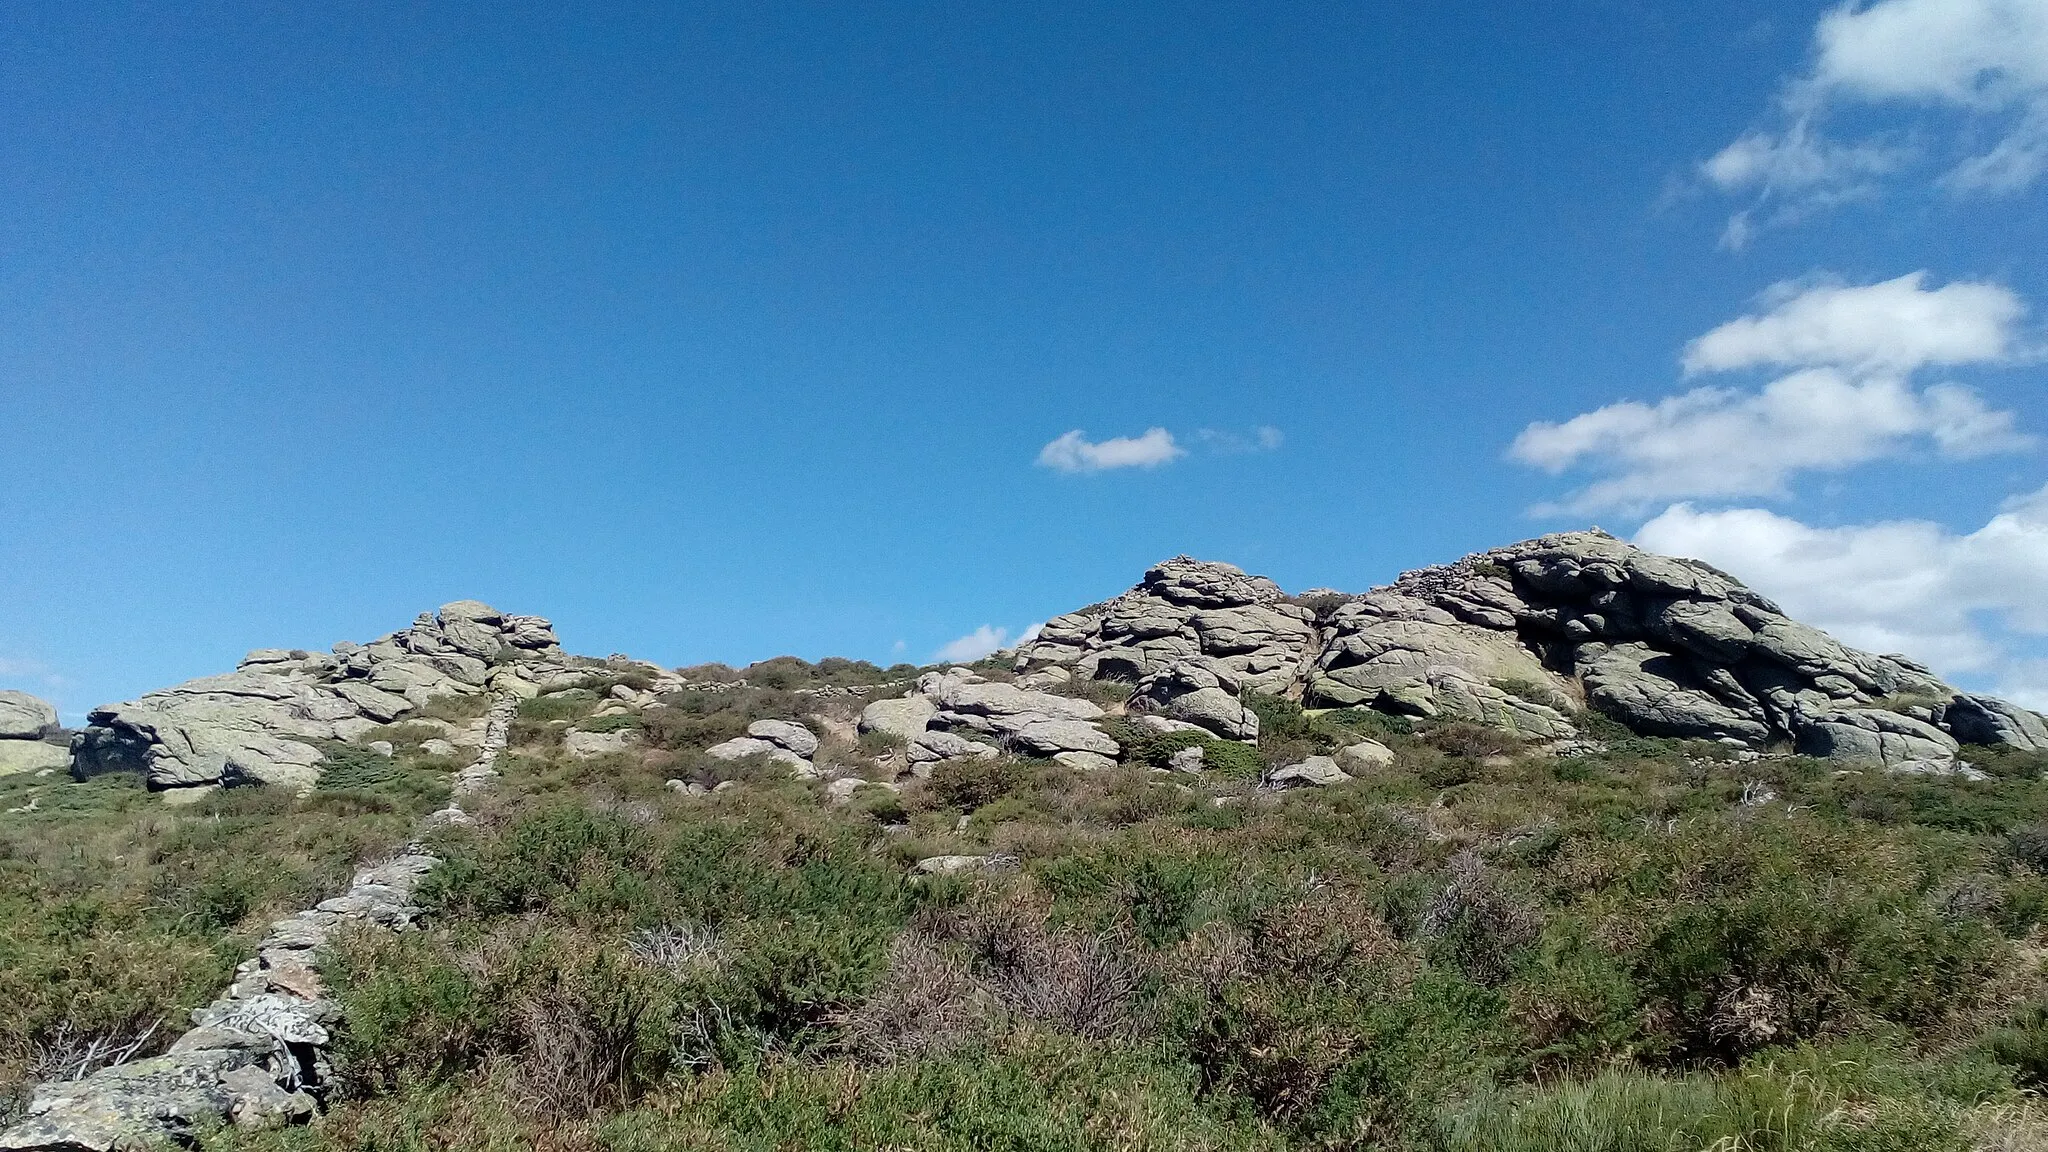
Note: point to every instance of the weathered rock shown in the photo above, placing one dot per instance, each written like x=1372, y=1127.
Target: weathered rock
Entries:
x=1083, y=761
x=841, y=790
x=945, y=865
x=584, y=745
x=17, y=756
x=1217, y=711
x=1186, y=760
x=263, y=722
x=785, y=734
x=906, y=717
x=24, y=717
x=1316, y=771
x=1365, y=756
x=1051, y=737
x=1984, y=720
x=741, y=747
x=930, y=746
x=1875, y=736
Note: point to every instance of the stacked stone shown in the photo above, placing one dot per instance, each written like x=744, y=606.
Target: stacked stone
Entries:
x=1522, y=638
x=261, y=723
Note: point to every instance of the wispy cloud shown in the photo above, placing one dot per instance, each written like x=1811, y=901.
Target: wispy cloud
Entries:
x=1264, y=438
x=1983, y=62
x=1074, y=452
x=984, y=641
x=1849, y=402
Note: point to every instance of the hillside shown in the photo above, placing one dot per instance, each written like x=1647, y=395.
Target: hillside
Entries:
x=1562, y=845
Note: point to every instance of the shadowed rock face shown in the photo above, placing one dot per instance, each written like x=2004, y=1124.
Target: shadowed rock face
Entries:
x=1521, y=638
x=260, y=723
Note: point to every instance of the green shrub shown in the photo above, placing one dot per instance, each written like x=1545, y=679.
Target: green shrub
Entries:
x=1232, y=760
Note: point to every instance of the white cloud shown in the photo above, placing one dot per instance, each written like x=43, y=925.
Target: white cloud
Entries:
x=1721, y=442
x=1074, y=452
x=1985, y=61
x=1972, y=606
x=983, y=641
x=1850, y=401
x=1896, y=325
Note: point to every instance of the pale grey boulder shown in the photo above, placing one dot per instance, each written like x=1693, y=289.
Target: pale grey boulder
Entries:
x=1365, y=756
x=1316, y=771
x=1082, y=761
x=906, y=717
x=1049, y=737
x=1878, y=737
x=936, y=745
x=372, y=702
x=1216, y=711
x=586, y=745
x=965, y=694
x=18, y=756
x=741, y=747
x=947, y=865
x=24, y=717
x=785, y=734
x=1457, y=694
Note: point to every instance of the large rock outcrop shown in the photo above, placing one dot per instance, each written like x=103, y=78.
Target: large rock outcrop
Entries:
x=1524, y=638
x=262, y=722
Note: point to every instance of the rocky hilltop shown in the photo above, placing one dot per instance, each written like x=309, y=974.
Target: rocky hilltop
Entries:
x=1524, y=638
x=1529, y=638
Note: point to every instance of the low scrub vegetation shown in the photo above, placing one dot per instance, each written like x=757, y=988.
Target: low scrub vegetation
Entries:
x=1474, y=949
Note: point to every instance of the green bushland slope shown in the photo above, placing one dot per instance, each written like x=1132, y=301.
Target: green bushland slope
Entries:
x=1478, y=948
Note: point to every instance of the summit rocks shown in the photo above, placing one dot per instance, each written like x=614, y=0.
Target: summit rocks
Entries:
x=1526, y=638
x=262, y=722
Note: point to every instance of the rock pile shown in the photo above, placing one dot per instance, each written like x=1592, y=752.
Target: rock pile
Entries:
x=256, y=1056
x=784, y=742
x=261, y=723
x=1192, y=637
x=1525, y=638
x=958, y=713
x=25, y=721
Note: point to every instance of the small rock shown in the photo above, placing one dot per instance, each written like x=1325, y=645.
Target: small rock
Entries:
x=437, y=747
x=445, y=818
x=685, y=787
x=1316, y=771
x=584, y=745
x=382, y=748
x=946, y=865
x=1083, y=761
x=1186, y=760
x=1365, y=756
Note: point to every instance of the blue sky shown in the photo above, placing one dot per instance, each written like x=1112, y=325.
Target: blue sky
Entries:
x=719, y=333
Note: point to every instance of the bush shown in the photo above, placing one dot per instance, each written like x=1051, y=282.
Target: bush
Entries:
x=970, y=783
x=1232, y=760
